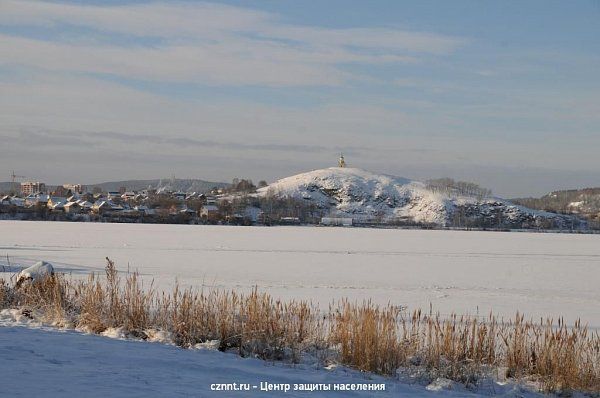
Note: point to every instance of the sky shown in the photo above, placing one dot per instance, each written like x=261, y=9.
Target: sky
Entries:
x=502, y=93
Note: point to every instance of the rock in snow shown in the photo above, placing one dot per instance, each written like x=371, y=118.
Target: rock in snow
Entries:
x=36, y=271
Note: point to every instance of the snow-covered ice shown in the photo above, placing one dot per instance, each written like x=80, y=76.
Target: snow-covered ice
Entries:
x=538, y=274
x=467, y=272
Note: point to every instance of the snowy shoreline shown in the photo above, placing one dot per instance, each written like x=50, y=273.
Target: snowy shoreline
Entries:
x=357, y=225
x=72, y=363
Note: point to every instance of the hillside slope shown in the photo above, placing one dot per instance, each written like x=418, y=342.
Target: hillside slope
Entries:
x=6, y=186
x=184, y=185
x=583, y=202
x=369, y=197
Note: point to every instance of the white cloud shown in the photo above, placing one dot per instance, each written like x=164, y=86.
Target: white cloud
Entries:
x=211, y=64
x=203, y=43
x=66, y=102
x=168, y=19
x=193, y=21
x=370, y=38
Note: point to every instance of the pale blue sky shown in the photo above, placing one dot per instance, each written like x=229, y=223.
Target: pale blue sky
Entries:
x=503, y=93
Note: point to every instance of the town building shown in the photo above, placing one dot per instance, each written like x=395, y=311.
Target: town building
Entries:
x=180, y=196
x=34, y=199
x=74, y=188
x=31, y=187
x=209, y=213
x=337, y=221
x=54, y=201
x=72, y=207
x=128, y=195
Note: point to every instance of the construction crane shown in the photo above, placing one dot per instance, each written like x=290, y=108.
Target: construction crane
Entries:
x=13, y=179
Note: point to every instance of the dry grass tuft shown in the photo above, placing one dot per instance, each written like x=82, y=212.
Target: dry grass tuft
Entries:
x=48, y=296
x=382, y=340
x=5, y=294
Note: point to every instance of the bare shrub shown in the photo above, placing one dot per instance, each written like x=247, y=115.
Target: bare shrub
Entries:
x=47, y=295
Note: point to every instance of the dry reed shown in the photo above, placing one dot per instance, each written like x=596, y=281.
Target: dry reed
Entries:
x=368, y=337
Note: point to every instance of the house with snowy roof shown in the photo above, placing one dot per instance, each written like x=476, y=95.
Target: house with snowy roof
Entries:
x=128, y=195
x=85, y=205
x=187, y=211
x=209, y=213
x=53, y=201
x=180, y=195
x=34, y=199
x=12, y=201
x=72, y=208
x=102, y=207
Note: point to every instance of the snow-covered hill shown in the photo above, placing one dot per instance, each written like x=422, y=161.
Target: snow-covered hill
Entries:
x=369, y=197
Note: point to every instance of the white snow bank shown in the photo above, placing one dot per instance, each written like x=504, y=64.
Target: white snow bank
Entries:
x=9, y=317
x=208, y=345
x=71, y=364
x=159, y=336
x=115, y=333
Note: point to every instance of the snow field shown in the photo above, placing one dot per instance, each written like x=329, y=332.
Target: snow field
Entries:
x=456, y=271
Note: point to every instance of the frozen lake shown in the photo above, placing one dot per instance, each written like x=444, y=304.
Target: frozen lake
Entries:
x=465, y=272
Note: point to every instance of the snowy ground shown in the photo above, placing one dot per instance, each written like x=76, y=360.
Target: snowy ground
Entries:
x=50, y=363
x=467, y=272
x=539, y=274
